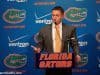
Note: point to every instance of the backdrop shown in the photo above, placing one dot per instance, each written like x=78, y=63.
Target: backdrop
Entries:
x=21, y=20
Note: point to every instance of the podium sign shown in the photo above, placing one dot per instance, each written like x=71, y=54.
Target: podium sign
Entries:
x=54, y=60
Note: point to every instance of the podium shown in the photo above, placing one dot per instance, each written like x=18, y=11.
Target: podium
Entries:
x=54, y=60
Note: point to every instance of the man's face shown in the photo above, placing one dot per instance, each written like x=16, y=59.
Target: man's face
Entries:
x=57, y=16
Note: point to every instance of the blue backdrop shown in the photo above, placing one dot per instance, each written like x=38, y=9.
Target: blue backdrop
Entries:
x=21, y=20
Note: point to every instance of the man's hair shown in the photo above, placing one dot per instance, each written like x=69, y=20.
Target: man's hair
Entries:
x=59, y=8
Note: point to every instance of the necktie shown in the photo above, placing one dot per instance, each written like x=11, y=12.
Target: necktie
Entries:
x=58, y=41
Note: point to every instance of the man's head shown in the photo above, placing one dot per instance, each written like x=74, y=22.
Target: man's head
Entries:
x=57, y=14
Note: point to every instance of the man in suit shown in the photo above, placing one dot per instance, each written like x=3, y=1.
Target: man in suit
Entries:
x=57, y=37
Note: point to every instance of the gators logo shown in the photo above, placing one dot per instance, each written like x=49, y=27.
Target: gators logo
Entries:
x=15, y=61
x=14, y=16
x=84, y=60
x=74, y=14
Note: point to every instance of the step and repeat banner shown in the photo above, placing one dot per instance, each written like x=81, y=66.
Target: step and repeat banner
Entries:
x=21, y=20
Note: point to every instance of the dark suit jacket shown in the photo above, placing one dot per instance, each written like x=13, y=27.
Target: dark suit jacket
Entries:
x=68, y=33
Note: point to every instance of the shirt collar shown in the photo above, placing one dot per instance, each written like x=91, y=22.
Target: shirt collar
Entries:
x=60, y=25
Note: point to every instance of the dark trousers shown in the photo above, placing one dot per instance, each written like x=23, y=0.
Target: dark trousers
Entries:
x=61, y=71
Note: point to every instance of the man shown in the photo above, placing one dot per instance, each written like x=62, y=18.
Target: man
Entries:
x=57, y=37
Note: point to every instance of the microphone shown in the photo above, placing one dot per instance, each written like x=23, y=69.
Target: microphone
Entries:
x=73, y=38
x=68, y=45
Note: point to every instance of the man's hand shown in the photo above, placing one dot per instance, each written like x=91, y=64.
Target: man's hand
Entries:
x=37, y=50
x=77, y=58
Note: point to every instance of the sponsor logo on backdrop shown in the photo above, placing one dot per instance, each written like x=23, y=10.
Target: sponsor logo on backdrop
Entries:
x=79, y=0
x=78, y=25
x=98, y=40
x=45, y=3
x=42, y=19
x=14, y=27
x=74, y=14
x=98, y=47
x=98, y=15
x=82, y=35
x=16, y=43
x=84, y=60
x=97, y=1
x=98, y=58
x=82, y=43
x=17, y=1
x=15, y=61
x=10, y=73
x=98, y=37
x=14, y=16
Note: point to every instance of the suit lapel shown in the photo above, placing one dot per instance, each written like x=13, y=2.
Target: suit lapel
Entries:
x=50, y=37
x=63, y=35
